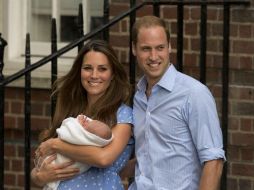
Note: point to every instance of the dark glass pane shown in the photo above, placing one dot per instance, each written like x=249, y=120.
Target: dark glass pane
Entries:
x=95, y=23
x=68, y=30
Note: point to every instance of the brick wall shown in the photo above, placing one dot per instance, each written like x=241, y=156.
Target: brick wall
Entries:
x=240, y=156
x=14, y=131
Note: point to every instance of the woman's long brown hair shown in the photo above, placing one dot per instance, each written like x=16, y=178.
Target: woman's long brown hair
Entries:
x=72, y=97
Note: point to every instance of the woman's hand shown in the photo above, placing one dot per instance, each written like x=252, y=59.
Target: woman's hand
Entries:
x=46, y=148
x=49, y=171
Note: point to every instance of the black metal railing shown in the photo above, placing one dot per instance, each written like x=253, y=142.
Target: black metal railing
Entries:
x=105, y=30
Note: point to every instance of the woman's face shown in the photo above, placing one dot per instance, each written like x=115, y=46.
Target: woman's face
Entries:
x=96, y=75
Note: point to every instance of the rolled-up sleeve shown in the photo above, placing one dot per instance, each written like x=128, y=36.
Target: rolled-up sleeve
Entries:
x=204, y=124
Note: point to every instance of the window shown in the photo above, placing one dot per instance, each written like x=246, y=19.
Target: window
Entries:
x=34, y=17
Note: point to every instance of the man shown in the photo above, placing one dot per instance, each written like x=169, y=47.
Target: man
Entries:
x=178, y=140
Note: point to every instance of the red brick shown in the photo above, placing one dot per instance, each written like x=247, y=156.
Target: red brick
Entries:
x=232, y=184
x=213, y=75
x=234, y=62
x=115, y=28
x=124, y=26
x=234, y=123
x=220, y=14
x=195, y=44
x=17, y=165
x=213, y=45
x=20, y=122
x=243, y=108
x=195, y=13
x=216, y=90
x=212, y=13
x=20, y=150
x=246, y=63
x=17, y=107
x=186, y=13
x=7, y=164
x=217, y=61
x=118, y=8
x=245, y=184
x=233, y=153
x=246, y=124
x=18, y=134
x=10, y=122
x=243, y=46
x=242, y=139
x=6, y=106
x=119, y=41
x=217, y=29
x=191, y=60
x=40, y=123
x=124, y=56
x=241, y=93
x=191, y=29
x=173, y=29
x=9, y=178
x=40, y=95
x=244, y=78
x=243, y=169
x=47, y=110
x=147, y=10
x=20, y=180
x=169, y=12
x=245, y=31
x=234, y=30
x=247, y=154
x=14, y=93
x=37, y=108
x=209, y=60
x=9, y=150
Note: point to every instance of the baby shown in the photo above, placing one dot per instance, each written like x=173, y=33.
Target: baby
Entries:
x=94, y=126
x=81, y=131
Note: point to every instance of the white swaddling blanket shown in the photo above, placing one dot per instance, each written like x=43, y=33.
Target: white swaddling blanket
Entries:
x=72, y=132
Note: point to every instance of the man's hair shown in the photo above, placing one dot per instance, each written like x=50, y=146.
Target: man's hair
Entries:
x=147, y=22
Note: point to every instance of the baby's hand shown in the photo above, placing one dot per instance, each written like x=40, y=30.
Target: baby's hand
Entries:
x=83, y=120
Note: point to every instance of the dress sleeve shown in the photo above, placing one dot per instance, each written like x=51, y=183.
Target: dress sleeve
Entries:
x=124, y=114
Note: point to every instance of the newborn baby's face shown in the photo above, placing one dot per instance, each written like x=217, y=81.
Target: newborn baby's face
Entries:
x=94, y=126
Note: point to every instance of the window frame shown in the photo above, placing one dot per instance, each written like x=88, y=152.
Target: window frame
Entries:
x=15, y=24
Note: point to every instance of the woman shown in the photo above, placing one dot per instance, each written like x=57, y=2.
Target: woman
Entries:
x=96, y=86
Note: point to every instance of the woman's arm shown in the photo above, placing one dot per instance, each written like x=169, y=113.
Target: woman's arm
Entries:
x=49, y=172
x=96, y=156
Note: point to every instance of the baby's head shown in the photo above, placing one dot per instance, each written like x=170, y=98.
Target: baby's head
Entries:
x=96, y=127
x=99, y=128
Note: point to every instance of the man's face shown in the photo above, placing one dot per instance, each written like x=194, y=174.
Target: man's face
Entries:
x=152, y=52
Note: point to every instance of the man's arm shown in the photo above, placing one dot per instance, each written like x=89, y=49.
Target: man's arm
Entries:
x=211, y=174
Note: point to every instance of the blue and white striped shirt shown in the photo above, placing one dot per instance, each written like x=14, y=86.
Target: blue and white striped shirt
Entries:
x=176, y=130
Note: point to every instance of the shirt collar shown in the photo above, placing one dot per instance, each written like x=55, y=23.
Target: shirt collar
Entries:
x=167, y=81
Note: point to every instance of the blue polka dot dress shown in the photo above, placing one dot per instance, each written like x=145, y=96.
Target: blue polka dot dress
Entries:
x=104, y=178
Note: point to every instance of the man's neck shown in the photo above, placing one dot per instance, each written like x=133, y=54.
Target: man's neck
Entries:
x=149, y=89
